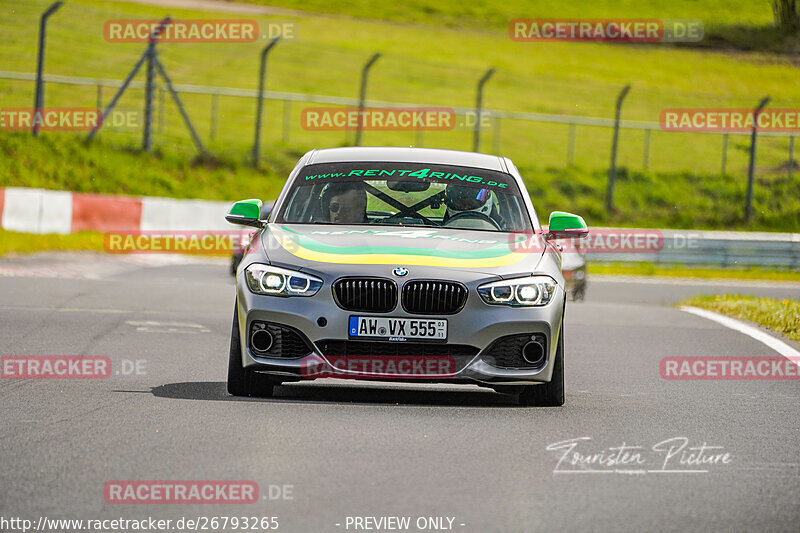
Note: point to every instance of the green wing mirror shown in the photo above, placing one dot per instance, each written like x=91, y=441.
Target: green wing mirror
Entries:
x=245, y=213
x=566, y=225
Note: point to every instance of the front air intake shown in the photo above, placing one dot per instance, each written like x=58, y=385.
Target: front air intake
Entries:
x=528, y=351
x=274, y=340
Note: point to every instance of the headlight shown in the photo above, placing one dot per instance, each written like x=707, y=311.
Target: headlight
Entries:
x=266, y=279
x=520, y=292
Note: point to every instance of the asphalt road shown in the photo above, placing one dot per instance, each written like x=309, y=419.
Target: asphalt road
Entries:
x=372, y=449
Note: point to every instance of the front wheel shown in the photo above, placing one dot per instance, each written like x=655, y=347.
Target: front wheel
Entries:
x=548, y=394
x=241, y=381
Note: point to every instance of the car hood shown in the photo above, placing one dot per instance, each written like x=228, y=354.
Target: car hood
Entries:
x=361, y=249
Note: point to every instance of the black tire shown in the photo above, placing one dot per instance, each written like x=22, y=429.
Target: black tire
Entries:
x=548, y=394
x=241, y=381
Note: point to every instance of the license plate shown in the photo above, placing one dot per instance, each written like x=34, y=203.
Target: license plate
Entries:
x=398, y=329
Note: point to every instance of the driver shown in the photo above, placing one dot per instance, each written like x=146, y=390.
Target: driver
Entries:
x=345, y=203
x=461, y=199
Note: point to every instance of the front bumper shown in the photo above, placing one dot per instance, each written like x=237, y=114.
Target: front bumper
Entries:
x=477, y=325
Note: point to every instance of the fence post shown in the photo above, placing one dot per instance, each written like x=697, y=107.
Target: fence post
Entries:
x=571, y=145
x=496, y=149
x=150, y=83
x=478, y=103
x=262, y=72
x=162, y=103
x=748, y=212
x=196, y=138
x=646, y=148
x=363, y=95
x=213, y=131
x=38, y=101
x=124, y=86
x=287, y=117
x=724, y=152
x=149, y=89
x=612, y=173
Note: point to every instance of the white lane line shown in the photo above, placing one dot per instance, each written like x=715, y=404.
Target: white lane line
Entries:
x=152, y=326
x=776, y=344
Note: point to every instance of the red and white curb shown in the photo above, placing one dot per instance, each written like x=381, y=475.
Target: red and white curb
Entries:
x=29, y=210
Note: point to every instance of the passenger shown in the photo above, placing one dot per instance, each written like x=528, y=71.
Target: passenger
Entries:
x=345, y=203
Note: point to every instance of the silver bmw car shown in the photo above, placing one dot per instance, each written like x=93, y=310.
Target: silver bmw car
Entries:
x=401, y=264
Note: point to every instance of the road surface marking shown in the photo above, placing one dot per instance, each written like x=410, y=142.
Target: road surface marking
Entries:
x=776, y=344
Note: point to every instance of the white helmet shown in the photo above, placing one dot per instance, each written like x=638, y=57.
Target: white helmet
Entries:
x=460, y=199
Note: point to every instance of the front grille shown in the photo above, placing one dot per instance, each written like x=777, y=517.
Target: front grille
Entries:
x=286, y=342
x=431, y=297
x=372, y=295
x=506, y=352
x=380, y=349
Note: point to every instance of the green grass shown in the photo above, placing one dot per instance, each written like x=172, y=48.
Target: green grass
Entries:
x=644, y=199
x=421, y=63
x=428, y=64
x=743, y=24
x=65, y=162
x=495, y=15
x=665, y=199
x=681, y=271
x=12, y=242
x=780, y=316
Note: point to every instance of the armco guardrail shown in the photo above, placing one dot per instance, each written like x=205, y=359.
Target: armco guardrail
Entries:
x=722, y=248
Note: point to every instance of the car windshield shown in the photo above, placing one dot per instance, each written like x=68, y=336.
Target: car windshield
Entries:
x=405, y=194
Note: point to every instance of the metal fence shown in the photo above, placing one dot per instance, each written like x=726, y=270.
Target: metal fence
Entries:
x=221, y=118
x=725, y=249
x=503, y=130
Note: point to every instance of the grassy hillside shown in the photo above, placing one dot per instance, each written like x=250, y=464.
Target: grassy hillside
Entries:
x=492, y=14
x=677, y=200
x=65, y=162
x=424, y=64
x=742, y=24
